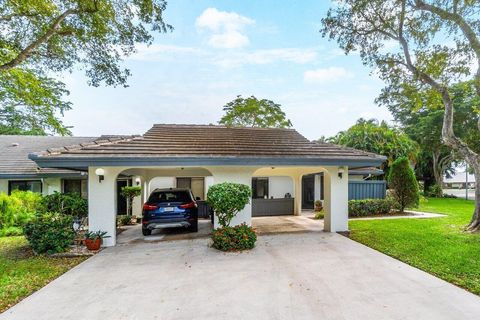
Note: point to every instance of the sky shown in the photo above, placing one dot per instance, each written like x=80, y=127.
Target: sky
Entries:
x=221, y=49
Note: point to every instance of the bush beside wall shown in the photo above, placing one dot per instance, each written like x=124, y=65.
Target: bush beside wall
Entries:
x=370, y=207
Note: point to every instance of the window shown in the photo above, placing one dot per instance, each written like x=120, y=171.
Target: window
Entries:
x=170, y=196
x=25, y=185
x=197, y=185
x=260, y=188
x=76, y=186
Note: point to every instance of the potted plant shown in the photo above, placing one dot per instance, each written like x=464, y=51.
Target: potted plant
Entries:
x=94, y=239
x=318, y=206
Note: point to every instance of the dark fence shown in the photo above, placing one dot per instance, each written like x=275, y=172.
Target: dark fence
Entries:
x=371, y=189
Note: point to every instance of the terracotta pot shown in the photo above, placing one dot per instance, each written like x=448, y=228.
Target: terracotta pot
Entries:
x=93, y=244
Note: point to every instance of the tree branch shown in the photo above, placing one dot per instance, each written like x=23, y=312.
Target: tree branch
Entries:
x=466, y=29
x=52, y=30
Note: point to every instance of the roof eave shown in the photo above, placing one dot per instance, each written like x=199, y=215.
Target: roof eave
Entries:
x=85, y=162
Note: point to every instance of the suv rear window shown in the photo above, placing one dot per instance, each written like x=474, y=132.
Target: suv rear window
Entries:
x=170, y=196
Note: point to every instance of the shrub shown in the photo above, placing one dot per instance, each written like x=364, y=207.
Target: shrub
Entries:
x=403, y=184
x=369, y=207
x=241, y=237
x=434, y=191
x=50, y=233
x=227, y=199
x=124, y=220
x=130, y=193
x=16, y=210
x=319, y=215
x=71, y=204
x=318, y=205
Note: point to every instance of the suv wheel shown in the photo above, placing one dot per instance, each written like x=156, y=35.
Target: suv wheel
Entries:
x=193, y=227
x=146, y=232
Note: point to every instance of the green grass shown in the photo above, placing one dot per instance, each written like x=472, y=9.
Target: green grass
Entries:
x=22, y=273
x=436, y=245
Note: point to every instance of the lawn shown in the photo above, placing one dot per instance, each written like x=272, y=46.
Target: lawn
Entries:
x=22, y=273
x=437, y=245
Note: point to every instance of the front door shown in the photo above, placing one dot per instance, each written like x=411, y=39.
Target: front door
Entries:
x=308, y=191
x=121, y=201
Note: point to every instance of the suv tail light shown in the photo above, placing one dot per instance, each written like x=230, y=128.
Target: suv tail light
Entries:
x=189, y=205
x=149, y=207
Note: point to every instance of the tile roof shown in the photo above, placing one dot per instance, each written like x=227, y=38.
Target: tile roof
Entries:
x=14, y=151
x=211, y=141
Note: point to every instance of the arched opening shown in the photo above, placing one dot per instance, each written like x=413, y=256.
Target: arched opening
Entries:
x=155, y=179
x=287, y=203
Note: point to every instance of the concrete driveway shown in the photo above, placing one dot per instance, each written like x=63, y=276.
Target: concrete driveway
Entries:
x=312, y=275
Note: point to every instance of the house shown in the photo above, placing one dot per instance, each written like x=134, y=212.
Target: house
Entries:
x=18, y=172
x=459, y=181
x=198, y=156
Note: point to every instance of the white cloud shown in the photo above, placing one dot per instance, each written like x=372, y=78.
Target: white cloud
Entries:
x=267, y=56
x=156, y=51
x=226, y=28
x=326, y=75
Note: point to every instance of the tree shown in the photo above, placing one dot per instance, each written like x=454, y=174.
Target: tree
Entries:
x=421, y=118
x=403, y=184
x=227, y=199
x=369, y=135
x=437, y=43
x=130, y=193
x=251, y=112
x=45, y=37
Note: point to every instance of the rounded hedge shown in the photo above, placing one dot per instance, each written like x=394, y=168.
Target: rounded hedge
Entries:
x=227, y=199
x=241, y=237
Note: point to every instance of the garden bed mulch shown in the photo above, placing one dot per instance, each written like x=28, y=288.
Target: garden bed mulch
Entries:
x=75, y=251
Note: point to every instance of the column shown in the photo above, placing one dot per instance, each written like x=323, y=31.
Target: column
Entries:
x=102, y=203
x=336, y=200
x=297, y=188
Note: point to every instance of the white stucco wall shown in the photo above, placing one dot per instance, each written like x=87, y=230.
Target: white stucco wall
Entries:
x=279, y=186
x=51, y=185
x=4, y=185
x=162, y=182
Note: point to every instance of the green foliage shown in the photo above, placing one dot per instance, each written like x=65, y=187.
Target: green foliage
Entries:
x=435, y=191
x=93, y=235
x=241, y=237
x=130, y=193
x=403, y=184
x=11, y=231
x=30, y=103
x=369, y=135
x=50, y=233
x=16, y=210
x=319, y=215
x=251, y=112
x=227, y=199
x=46, y=37
x=124, y=220
x=71, y=204
x=370, y=207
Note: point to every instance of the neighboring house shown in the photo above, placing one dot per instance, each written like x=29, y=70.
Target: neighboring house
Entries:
x=276, y=162
x=459, y=181
x=18, y=172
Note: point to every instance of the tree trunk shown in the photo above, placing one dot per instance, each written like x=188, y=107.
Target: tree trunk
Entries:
x=437, y=170
x=474, y=224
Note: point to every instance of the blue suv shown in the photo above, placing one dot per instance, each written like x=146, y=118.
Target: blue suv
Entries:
x=170, y=208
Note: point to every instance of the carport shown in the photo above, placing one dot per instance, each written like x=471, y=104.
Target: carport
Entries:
x=216, y=153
